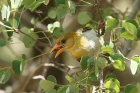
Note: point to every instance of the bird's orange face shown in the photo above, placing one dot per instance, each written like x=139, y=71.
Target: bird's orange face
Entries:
x=64, y=42
x=60, y=47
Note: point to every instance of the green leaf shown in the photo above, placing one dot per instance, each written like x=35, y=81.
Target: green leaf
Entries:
x=61, y=11
x=28, y=3
x=4, y=76
x=110, y=91
x=52, y=13
x=84, y=80
x=84, y=17
x=29, y=38
x=96, y=70
x=106, y=12
x=112, y=85
x=135, y=61
x=58, y=2
x=56, y=29
x=51, y=78
x=70, y=79
x=90, y=62
x=129, y=31
x=101, y=62
x=107, y=49
x=113, y=80
x=126, y=35
x=52, y=27
x=62, y=89
x=118, y=61
x=3, y=42
x=130, y=89
x=9, y=33
x=24, y=56
x=46, y=84
x=15, y=22
x=111, y=76
x=132, y=21
x=130, y=28
x=93, y=77
x=5, y=12
x=138, y=34
x=29, y=42
x=118, y=65
x=72, y=89
x=24, y=30
x=72, y=7
x=111, y=23
x=36, y=4
x=136, y=58
x=83, y=61
x=18, y=66
x=46, y=2
x=58, y=32
x=50, y=91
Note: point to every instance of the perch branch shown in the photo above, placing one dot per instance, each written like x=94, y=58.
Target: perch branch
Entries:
x=18, y=31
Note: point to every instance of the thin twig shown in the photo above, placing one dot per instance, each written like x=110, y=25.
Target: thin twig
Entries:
x=101, y=79
x=98, y=11
x=40, y=50
x=100, y=26
x=29, y=78
x=57, y=67
x=102, y=22
x=18, y=31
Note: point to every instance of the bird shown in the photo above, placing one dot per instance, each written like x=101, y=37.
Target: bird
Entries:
x=85, y=41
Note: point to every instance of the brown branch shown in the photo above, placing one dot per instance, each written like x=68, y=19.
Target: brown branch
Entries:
x=98, y=11
x=102, y=22
x=18, y=31
x=29, y=78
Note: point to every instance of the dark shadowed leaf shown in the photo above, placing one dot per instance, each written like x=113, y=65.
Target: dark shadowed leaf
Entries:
x=18, y=66
x=2, y=42
x=83, y=61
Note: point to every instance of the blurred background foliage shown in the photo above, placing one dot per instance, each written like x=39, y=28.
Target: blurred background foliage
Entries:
x=36, y=18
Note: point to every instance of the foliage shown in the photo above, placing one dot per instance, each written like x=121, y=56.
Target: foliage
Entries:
x=91, y=66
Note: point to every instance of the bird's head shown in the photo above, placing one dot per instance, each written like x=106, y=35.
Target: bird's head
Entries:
x=64, y=42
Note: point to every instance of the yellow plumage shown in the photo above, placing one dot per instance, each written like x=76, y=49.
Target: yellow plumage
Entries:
x=78, y=43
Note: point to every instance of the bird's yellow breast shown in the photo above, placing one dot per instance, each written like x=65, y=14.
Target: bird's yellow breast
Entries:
x=79, y=47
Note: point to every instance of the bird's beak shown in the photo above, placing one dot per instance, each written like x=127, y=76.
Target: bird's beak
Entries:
x=61, y=49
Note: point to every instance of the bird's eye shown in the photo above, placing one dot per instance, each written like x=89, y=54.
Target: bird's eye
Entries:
x=63, y=41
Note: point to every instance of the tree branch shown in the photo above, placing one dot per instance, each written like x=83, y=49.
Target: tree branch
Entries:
x=18, y=31
x=134, y=11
